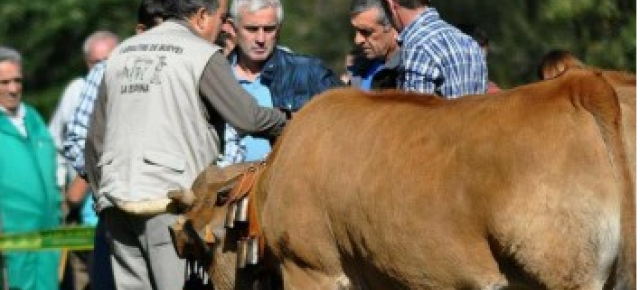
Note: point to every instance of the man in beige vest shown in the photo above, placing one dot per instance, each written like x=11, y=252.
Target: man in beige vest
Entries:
x=165, y=97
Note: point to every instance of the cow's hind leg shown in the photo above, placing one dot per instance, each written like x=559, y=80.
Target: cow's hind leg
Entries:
x=568, y=255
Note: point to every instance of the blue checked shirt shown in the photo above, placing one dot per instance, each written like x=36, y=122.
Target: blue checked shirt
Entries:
x=438, y=58
x=235, y=148
x=76, y=133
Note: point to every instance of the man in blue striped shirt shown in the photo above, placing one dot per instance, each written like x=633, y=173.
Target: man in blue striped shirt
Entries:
x=435, y=56
x=76, y=132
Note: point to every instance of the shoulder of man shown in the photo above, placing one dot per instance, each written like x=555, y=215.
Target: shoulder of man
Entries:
x=287, y=58
x=35, y=121
x=30, y=111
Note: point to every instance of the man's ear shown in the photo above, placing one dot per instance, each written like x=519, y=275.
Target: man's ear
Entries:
x=230, y=27
x=140, y=28
x=200, y=17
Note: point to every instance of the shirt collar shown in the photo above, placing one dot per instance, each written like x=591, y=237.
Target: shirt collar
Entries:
x=233, y=61
x=19, y=115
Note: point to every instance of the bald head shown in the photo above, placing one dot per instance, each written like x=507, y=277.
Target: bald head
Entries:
x=98, y=46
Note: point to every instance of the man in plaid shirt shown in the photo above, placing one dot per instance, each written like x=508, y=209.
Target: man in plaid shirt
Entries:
x=435, y=56
x=73, y=143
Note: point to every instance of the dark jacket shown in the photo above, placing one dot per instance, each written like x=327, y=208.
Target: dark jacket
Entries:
x=383, y=74
x=294, y=79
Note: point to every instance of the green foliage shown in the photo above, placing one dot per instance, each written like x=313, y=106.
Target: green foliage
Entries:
x=50, y=35
x=318, y=28
x=600, y=32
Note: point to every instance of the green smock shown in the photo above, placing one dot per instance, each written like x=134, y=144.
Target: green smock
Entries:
x=29, y=199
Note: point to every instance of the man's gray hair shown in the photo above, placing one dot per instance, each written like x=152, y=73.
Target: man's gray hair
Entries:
x=10, y=54
x=359, y=6
x=96, y=36
x=255, y=5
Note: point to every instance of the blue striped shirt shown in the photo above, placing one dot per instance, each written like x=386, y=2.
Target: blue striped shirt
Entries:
x=76, y=133
x=438, y=58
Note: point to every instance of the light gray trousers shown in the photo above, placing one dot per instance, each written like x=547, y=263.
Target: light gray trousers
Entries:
x=143, y=256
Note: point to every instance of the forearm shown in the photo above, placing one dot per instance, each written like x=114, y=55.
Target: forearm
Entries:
x=77, y=191
x=219, y=88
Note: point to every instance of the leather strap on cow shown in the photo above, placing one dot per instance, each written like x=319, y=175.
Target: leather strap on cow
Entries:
x=246, y=188
x=247, y=182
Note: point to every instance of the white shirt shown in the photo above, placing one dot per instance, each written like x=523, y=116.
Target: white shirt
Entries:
x=57, y=125
x=18, y=119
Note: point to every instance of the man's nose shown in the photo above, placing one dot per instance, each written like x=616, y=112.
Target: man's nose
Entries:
x=358, y=39
x=260, y=35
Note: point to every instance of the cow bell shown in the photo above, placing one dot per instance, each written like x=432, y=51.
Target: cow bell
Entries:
x=252, y=251
x=231, y=215
x=241, y=210
x=241, y=258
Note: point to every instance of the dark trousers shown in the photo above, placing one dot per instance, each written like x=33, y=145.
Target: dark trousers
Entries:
x=100, y=269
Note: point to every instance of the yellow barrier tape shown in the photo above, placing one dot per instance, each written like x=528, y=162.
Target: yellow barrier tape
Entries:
x=73, y=238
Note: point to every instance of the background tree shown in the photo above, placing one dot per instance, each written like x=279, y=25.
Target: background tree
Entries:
x=50, y=36
x=600, y=32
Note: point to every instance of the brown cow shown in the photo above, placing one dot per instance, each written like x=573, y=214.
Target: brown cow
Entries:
x=526, y=188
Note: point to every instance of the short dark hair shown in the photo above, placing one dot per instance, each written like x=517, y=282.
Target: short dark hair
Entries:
x=358, y=6
x=410, y=4
x=152, y=12
x=181, y=9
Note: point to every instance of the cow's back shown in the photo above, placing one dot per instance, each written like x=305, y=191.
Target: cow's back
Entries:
x=399, y=190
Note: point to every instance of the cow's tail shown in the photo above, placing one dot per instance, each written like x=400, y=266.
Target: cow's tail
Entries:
x=600, y=99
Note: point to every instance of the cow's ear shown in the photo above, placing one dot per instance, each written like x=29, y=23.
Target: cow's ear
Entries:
x=232, y=171
x=216, y=175
x=224, y=189
x=223, y=180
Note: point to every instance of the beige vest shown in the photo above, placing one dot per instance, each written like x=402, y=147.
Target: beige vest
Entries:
x=157, y=138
